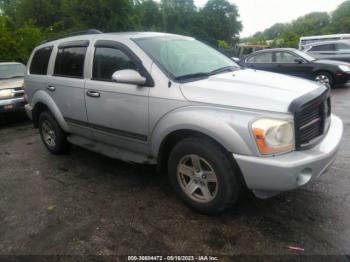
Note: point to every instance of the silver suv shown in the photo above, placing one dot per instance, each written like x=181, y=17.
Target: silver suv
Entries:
x=334, y=50
x=171, y=100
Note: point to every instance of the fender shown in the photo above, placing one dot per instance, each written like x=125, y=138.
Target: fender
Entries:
x=42, y=96
x=219, y=124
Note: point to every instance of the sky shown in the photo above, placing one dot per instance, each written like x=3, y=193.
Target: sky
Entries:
x=257, y=15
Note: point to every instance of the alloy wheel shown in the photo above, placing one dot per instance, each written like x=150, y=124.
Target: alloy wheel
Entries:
x=197, y=178
x=48, y=133
x=323, y=79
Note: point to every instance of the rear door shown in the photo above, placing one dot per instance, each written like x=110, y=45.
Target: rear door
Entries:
x=66, y=85
x=261, y=61
x=36, y=77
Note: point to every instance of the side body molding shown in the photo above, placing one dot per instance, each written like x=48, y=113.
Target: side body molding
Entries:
x=219, y=124
x=42, y=96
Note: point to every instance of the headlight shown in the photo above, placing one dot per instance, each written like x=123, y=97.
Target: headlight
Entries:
x=344, y=68
x=273, y=136
x=6, y=93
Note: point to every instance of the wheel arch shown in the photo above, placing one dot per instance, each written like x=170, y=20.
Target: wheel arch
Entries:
x=318, y=71
x=42, y=101
x=172, y=139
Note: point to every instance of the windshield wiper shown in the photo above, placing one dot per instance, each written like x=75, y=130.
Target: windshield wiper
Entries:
x=222, y=70
x=203, y=75
x=193, y=76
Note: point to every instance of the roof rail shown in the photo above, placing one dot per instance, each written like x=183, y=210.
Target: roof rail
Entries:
x=86, y=32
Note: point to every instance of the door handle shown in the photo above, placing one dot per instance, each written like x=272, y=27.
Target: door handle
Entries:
x=51, y=88
x=93, y=94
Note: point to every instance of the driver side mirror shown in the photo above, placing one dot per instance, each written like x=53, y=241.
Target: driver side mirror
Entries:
x=129, y=76
x=299, y=61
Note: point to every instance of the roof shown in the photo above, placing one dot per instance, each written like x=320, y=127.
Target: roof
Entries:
x=276, y=49
x=323, y=36
x=101, y=36
x=328, y=42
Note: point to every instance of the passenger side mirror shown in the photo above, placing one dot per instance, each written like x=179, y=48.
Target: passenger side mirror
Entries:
x=129, y=76
x=299, y=61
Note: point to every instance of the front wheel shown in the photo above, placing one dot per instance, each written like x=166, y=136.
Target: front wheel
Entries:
x=203, y=176
x=325, y=79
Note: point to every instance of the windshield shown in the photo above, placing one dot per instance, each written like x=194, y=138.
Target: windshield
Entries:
x=305, y=55
x=12, y=71
x=181, y=56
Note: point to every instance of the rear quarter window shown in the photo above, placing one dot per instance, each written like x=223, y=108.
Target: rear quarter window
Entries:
x=40, y=61
x=325, y=47
x=260, y=58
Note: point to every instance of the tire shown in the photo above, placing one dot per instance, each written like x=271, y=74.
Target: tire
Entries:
x=50, y=130
x=325, y=78
x=182, y=175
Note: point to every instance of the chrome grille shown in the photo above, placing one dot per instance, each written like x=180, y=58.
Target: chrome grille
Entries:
x=311, y=122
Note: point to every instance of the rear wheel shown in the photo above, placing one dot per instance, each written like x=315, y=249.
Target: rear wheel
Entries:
x=203, y=176
x=52, y=135
x=325, y=78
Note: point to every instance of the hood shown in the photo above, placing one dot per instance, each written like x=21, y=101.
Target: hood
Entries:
x=11, y=83
x=249, y=89
x=331, y=62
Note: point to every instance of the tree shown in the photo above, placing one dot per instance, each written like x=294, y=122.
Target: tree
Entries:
x=313, y=23
x=150, y=17
x=221, y=21
x=178, y=16
x=24, y=23
x=340, y=22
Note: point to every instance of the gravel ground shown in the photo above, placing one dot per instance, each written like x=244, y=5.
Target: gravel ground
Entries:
x=87, y=204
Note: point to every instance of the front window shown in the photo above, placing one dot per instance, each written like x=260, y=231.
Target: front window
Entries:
x=304, y=55
x=8, y=71
x=285, y=57
x=181, y=57
x=109, y=60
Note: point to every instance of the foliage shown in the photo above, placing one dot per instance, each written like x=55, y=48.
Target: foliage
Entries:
x=317, y=23
x=24, y=23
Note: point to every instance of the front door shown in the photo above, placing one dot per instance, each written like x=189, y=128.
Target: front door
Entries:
x=117, y=112
x=291, y=64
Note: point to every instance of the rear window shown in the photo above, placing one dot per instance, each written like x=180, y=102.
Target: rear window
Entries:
x=70, y=62
x=343, y=47
x=40, y=61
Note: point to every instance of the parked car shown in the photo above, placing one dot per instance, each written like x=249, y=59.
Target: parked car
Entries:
x=11, y=87
x=335, y=50
x=173, y=101
x=294, y=62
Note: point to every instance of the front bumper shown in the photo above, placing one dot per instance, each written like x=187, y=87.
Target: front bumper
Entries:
x=12, y=105
x=267, y=176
